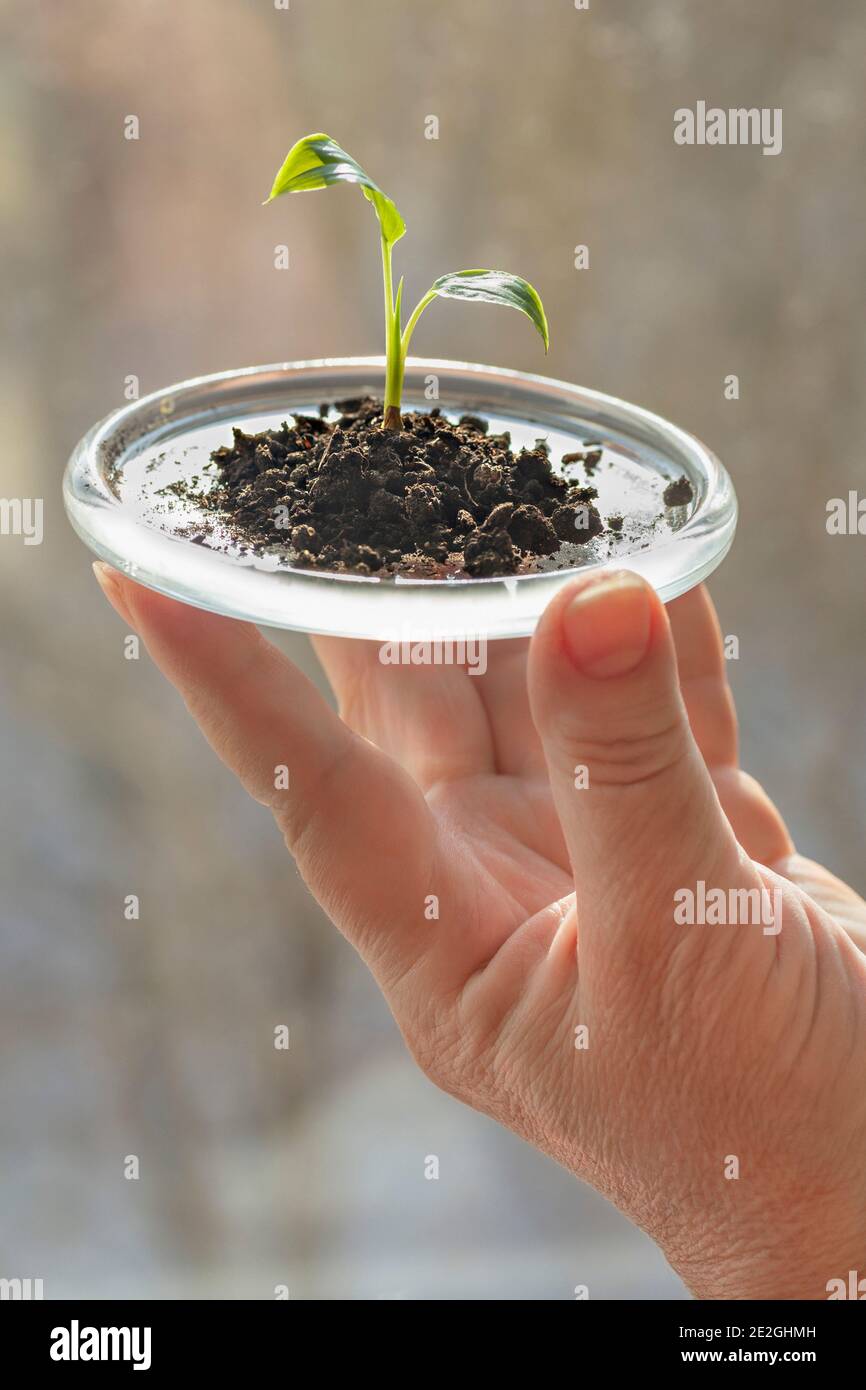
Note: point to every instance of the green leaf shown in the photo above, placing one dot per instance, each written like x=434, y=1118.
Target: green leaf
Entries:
x=495, y=287
x=317, y=161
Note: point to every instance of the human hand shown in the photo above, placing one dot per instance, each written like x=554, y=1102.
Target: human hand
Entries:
x=443, y=832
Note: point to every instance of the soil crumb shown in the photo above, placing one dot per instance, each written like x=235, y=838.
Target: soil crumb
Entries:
x=678, y=493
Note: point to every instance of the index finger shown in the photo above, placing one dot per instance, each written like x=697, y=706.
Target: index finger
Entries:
x=346, y=810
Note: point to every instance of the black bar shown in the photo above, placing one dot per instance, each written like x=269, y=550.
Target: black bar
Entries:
x=227, y=1337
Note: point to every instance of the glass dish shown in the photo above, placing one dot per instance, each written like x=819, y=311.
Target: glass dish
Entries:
x=116, y=480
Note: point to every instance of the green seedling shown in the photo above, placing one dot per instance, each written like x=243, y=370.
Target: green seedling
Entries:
x=317, y=161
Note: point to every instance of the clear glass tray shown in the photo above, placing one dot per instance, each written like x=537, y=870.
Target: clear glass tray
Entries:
x=116, y=480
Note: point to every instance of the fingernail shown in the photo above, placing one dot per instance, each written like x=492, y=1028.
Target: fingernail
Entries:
x=106, y=578
x=607, y=625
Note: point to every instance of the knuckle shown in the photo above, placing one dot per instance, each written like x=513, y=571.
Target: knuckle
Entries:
x=626, y=754
x=438, y=1058
x=430, y=1031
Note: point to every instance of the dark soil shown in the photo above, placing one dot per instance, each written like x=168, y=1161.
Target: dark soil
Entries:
x=431, y=500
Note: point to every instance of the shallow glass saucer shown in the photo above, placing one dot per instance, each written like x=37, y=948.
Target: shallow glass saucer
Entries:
x=119, y=494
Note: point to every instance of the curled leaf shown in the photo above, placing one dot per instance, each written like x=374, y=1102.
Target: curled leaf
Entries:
x=495, y=287
x=317, y=161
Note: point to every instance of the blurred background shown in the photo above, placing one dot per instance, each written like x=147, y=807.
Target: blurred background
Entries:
x=153, y=257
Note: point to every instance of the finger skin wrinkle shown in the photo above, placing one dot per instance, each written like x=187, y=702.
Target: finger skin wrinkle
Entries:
x=629, y=762
x=496, y=991
x=652, y=737
x=288, y=811
x=526, y=948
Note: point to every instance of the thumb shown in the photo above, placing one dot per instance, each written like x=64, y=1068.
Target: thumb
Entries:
x=638, y=810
